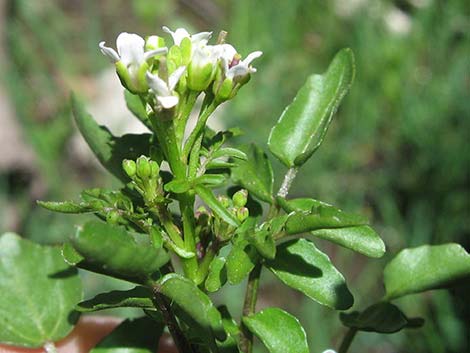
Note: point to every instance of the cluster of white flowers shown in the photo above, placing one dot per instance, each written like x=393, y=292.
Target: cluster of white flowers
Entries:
x=191, y=64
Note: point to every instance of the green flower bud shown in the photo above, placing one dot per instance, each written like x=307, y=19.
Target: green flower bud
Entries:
x=113, y=217
x=154, y=169
x=129, y=167
x=224, y=200
x=240, y=198
x=202, y=68
x=186, y=50
x=143, y=167
x=242, y=214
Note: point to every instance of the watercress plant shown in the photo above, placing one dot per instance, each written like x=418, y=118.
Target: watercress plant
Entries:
x=178, y=240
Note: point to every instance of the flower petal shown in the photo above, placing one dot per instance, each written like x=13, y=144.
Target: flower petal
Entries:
x=251, y=57
x=168, y=101
x=157, y=84
x=237, y=70
x=130, y=48
x=201, y=38
x=175, y=77
x=177, y=35
x=152, y=53
x=109, y=52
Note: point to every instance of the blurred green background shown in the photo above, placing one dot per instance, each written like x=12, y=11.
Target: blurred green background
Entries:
x=398, y=149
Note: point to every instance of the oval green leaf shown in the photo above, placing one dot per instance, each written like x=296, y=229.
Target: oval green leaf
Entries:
x=132, y=336
x=300, y=265
x=254, y=174
x=110, y=150
x=304, y=123
x=38, y=293
x=381, y=317
x=112, y=250
x=138, y=297
x=425, y=268
x=195, y=303
x=278, y=330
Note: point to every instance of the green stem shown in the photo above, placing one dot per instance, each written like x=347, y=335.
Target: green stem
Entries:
x=184, y=113
x=208, y=107
x=347, y=340
x=206, y=261
x=162, y=305
x=287, y=182
x=190, y=266
x=249, y=307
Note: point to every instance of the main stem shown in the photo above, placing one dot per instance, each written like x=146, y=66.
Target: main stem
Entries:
x=180, y=340
x=347, y=340
x=251, y=294
x=249, y=307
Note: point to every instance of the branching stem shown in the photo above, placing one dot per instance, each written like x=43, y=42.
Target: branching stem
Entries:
x=347, y=340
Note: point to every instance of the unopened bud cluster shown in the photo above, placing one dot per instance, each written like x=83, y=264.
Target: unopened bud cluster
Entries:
x=145, y=176
x=190, y=64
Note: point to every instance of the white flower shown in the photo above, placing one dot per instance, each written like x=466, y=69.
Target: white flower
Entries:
x=199, y=38
x=239, y=68
x=202, y=67
x=164, y=91
x=130, y=50
x=131, y=59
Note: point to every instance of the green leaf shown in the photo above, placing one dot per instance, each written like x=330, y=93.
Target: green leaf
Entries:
x=230, y=345
x=38, y=292
x=264, y=243
x=178, y=186
x=138, y=297
x=300, y=265
x=381, y=318
x=111, y=250
x=240, y=261
x=110, y=150
x=66, y=206
x=215, y=205
x=362, y=239
x=425, y=268
x=230, y=152
x=254, y=174
x=322, y=217
x=137, y=107
x=193, y=302
x=304, y=123
x=278, y=330
x=132, y=336
x=217, y=275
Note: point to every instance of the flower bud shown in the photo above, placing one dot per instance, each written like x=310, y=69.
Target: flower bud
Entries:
x=242, y=213
x=154, y=42
x=113, y=217
x=202, y=68
x=129, y=167
x=154, y=169
x=143, y=167
x=240, y=198
x=224, y=200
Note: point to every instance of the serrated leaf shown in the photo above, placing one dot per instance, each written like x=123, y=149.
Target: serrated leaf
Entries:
x=425, y=268
x=215, y=205
x=300, y=265
x=278, y=330
x=217, y=275
x=304, y=123
x=254, y=174
x=30, y=276
x=113, y=251
x=381, y=317
x=138, y=297
x=110, y=150
x=195, y=303
x=132, y=336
